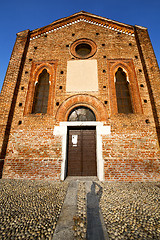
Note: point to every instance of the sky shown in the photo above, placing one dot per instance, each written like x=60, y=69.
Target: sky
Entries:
x=18, y=15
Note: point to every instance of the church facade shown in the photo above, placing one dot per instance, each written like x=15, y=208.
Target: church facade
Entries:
x=81, y=97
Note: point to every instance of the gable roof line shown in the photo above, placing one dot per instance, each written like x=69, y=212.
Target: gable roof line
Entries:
x=102, y=18
x=107, y=26
x=84, y=14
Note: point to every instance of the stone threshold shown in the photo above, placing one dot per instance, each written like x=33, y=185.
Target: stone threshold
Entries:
x=81, y=178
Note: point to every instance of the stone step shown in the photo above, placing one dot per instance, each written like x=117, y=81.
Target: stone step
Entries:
x=81, y=178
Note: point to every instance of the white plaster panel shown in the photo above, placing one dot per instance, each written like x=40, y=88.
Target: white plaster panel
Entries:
x=104, y=130
x=59, y=131
x=82, y=75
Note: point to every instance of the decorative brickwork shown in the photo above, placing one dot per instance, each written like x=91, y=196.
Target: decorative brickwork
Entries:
x=81, y=100
x=29, y=147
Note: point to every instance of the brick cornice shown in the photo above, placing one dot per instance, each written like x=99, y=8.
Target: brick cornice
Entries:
x=86, y=18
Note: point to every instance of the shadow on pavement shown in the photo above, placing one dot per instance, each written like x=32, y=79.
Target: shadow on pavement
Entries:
x=94, y=225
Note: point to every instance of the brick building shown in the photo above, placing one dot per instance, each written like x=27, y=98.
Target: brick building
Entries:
x=81, y=97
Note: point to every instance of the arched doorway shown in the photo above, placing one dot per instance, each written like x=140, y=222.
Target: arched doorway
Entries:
x=81, y=144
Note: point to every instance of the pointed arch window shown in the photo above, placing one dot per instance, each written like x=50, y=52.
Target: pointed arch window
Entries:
x=40, y=102
x=124, y=104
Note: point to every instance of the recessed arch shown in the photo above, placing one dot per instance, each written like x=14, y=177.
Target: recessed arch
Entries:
x=124, y=70
x=128, y=67
x=88, y=101
x=39, y=69
x=36, y=71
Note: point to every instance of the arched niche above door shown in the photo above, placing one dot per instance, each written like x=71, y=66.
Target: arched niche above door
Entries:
x=86, y=100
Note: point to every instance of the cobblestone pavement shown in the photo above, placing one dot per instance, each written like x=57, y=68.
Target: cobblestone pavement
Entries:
x=131, y=210
x=30, y=209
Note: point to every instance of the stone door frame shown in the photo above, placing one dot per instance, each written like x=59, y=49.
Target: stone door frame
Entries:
x=61, y=130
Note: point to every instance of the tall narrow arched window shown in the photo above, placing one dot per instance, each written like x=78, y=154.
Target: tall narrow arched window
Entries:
x=122, y=92
x=40, y=102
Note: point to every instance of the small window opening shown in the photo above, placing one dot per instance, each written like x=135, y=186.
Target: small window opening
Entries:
x=140, y=70
x=60, y=87
x=104, y=86
x=26, y=72
x=30, y=59
x=62, y=72
x=105, y=102
x=104, y=70
x=136, y=57
x=22, y=88
x=35, y=47
x=104, y=56
x=20, y=122
x=67, y=45
x=130, y=44
x=57, y=103
x=20, y=104
x=145, y=101
x=147, y=121
x=141, y=85
x=73, y=34
x=103, y=44
x=97, y=33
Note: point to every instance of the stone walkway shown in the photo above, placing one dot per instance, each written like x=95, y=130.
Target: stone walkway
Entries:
x=65, y=223
x=96, y=229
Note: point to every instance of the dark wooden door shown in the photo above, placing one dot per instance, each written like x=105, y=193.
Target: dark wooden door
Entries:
x=82, y=152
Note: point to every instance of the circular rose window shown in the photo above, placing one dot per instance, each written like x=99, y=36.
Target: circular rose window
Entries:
x=83, y=48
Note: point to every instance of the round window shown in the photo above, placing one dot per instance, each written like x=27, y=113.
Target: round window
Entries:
x=83, y=48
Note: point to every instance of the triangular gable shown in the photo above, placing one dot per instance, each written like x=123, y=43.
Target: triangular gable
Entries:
x=83, y=17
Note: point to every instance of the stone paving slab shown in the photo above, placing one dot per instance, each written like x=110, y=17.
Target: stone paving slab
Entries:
x=64, y=228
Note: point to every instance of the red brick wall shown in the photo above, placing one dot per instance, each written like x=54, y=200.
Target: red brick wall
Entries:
x=131, y=152
x=10, y=88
